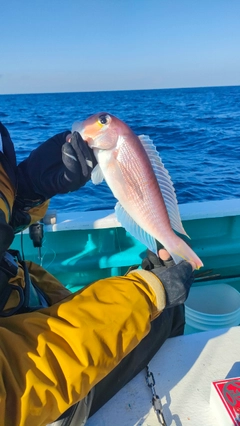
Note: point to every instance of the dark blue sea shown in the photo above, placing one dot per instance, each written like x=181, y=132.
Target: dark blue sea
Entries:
x=196, y=131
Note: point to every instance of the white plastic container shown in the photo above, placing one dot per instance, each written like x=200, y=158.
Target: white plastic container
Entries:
x=212, y=306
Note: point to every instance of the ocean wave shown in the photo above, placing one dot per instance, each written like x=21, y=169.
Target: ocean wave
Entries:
x=196, y=131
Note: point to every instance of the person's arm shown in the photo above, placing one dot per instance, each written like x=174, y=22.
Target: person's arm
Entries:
x=61, y=164
x=7, y=187
x=52, y=358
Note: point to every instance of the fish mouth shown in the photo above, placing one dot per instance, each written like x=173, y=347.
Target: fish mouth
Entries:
x=91, y=143
x=78, y=126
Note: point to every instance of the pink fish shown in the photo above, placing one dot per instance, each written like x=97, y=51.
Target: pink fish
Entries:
x=147, y=205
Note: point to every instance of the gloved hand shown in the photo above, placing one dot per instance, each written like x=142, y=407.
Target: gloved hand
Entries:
x=176, y=279
x=74, y=154
x=55, y=167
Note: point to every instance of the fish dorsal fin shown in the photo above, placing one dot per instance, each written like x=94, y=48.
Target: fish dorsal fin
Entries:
x=97, y=175
x=135, y=230
x=165, y=184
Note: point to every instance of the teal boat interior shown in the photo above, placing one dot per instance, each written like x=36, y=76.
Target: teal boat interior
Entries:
x=81, y=247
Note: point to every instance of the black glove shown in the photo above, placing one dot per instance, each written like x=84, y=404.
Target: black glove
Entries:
x=176, y=279
x=55, y=167
x=74, y=154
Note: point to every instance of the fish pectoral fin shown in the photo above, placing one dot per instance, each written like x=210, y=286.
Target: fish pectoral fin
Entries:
x=97, y=175
x=165, y=184
x=134, y=229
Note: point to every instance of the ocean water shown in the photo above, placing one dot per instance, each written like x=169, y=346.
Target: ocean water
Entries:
x=196, y=131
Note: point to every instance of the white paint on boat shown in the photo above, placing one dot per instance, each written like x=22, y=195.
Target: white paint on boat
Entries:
x=106, y=218
x=183, y=370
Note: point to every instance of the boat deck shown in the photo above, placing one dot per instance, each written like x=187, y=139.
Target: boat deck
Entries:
x=183, y=370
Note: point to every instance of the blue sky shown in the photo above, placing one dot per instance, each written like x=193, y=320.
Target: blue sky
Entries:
x=92, y=45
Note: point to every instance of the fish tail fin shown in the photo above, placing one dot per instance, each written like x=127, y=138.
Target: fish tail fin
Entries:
x=179, y=250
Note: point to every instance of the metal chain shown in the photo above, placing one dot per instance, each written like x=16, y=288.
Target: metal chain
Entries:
x=156, y=402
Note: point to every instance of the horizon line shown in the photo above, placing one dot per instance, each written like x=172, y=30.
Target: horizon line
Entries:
x=119, y=90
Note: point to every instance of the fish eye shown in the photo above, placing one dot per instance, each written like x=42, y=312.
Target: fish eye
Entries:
x=104, y=119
